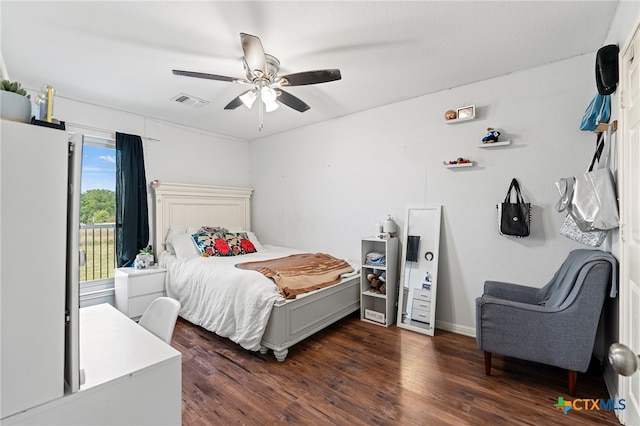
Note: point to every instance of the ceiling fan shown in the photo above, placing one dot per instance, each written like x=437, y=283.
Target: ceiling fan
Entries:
x=261, y=71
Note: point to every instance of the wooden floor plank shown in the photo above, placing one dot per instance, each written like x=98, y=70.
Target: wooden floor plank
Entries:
x=356, y=373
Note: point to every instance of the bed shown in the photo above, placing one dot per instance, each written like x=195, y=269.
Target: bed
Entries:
x=289, y=321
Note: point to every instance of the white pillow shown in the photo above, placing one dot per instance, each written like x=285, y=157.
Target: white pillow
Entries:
x=252, y=238
x=184, y=246
x=173, y=231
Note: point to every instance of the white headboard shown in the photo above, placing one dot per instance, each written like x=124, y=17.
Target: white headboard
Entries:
x=197, y=205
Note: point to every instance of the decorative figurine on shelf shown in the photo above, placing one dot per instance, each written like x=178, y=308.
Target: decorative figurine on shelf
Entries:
x=459, y=160
x=44, y=101
x=389, y=226
x=492, y=136
x=450, y=115
x=44, y=114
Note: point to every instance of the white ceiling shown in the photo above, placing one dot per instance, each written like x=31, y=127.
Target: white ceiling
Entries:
x=120, y=54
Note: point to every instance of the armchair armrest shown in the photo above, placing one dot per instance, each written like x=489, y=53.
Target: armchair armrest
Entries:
x=509, y=291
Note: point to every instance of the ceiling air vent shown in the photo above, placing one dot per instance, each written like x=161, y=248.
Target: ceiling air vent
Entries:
x=189, y=100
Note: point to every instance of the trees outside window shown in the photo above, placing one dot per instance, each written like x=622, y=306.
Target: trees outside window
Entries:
x=98, y=210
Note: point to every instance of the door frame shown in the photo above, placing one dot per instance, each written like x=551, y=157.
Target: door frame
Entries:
x=626, y=309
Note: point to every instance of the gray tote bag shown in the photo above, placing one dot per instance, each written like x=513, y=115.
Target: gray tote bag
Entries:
x=591, y=198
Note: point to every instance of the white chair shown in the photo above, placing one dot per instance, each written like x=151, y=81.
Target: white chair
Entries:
x=160, y=317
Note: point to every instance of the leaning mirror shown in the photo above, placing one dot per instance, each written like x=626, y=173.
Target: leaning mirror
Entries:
x=419, y=270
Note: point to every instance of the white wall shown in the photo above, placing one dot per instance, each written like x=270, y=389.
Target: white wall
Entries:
x=173, y=153
x=180, y=154
x=322, y=187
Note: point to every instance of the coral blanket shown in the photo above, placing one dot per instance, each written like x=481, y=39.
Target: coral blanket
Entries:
x=301, y=273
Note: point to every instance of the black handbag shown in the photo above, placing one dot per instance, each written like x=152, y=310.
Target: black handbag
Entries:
x=514, y=219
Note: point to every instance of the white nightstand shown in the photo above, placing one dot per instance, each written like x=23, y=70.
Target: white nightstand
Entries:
x=137, y=288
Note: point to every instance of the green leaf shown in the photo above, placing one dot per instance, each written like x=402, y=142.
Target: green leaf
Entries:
x=9, y=86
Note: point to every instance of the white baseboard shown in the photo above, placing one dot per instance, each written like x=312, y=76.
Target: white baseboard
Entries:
x=456, y=328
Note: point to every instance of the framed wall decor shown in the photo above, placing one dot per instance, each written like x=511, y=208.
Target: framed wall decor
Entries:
x=466, y=112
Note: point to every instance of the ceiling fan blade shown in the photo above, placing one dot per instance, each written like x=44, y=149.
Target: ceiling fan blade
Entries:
x=235, y=103
x=205, y=75
x=254, y=54
x=310, y=77
x=291, y=101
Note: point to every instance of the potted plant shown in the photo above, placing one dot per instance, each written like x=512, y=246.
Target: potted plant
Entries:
x=145, y=258
x=15, y=103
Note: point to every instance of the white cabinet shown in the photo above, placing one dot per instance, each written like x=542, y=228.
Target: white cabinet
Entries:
x=132, y=378
x=33, y=190
x=137, y=288
x=376, y=307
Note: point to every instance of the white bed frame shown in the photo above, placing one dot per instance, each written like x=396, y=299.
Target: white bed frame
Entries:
x=291, y=320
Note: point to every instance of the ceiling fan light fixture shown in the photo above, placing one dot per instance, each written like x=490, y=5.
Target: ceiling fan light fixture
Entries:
x=248, y=98
x=268, y=96
x=271, y=106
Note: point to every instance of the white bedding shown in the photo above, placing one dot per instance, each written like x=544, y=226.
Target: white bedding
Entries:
x=231, y=302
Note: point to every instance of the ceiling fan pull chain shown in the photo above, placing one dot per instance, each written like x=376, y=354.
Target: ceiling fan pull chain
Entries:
x=260, y=111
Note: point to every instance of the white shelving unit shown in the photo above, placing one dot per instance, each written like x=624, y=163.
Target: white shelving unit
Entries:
x=457, y=166
x=377, y=308
x=460, y=120
x=468, y=111
x=495, y=144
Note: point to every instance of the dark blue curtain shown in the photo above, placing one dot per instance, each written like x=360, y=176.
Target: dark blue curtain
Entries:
x=132, y=212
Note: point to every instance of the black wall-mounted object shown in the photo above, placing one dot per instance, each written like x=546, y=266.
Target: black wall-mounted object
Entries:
x=607, y=69
x=413, y=242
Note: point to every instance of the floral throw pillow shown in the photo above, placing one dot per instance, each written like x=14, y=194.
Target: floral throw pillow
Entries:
x=223, y=244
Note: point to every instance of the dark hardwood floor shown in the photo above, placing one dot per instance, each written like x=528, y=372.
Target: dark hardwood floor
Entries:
x=354, y=373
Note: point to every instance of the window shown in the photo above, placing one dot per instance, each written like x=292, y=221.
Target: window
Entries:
x=98, y=210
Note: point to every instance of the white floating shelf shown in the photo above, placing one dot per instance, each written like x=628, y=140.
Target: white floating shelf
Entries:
x=494, y=144
x=456, y=166
x=459, y=120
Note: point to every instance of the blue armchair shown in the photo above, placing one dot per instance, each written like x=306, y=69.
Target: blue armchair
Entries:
x=554, y=325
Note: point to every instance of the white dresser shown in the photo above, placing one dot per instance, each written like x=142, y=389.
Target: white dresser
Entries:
x=131, y=377
x=137, y=288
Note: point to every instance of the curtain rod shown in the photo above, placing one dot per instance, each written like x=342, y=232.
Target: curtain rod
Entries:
x=98, y=129
x=96, y=137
